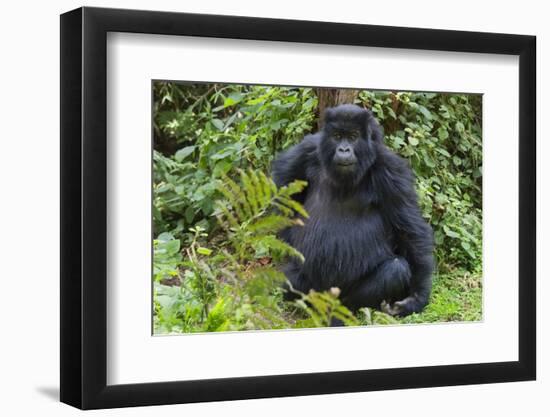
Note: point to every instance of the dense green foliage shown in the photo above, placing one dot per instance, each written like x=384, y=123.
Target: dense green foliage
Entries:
x=216, y=249
x=440, y=134
x=237, y=287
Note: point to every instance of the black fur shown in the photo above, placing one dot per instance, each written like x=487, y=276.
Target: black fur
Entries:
x=365, y=233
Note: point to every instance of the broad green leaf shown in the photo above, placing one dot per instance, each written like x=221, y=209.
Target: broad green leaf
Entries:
x=233, y=99
x=183, y=153
x=218, y=124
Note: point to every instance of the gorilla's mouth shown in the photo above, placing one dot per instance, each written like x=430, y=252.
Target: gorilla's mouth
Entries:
x=345, y=164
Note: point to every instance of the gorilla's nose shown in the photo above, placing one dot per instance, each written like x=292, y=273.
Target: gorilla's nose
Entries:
x=344, y=149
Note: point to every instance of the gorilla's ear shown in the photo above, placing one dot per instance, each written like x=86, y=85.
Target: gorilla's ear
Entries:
x=372, y=128
x=329, y=114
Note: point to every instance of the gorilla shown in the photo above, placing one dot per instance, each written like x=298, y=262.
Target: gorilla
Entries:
x=365, y=233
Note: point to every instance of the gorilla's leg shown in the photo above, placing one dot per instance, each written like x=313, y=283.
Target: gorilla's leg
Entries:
x=389, y=282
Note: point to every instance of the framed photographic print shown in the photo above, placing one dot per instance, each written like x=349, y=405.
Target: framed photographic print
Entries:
x=256, y=208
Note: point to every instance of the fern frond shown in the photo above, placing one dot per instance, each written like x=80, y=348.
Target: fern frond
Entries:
x=256, y=185
x=294, y=187
x=283, y=209
x=266, y=188
x=276, y=246
x=271, y=275
x=342, y=313
x=255, y=210
x=270, y=224
x=251, y=191
x=225, y=213
x=322, y=307
x=294, y=205
x=233, y=194
x=273, y=316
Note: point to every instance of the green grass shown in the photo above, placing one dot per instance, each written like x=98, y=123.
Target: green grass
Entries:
x=456, y=296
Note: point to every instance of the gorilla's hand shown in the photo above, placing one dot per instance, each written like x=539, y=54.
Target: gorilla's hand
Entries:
x=408, y=305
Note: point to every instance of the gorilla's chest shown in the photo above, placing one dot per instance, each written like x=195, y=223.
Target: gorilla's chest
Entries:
x=343, y=227
x=342, y=239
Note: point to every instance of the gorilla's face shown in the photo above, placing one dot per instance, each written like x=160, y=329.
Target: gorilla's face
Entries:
x=347, y=150
x=344, y=143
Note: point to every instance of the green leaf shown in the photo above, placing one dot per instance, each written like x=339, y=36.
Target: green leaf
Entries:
x=397, y=141
x=204, y=251
x=450, y=233
x=172, y=246
x=440, y=198
x=222, y=154
x=184, y=153
x=443, y=152
x=233, y=99
x=425, y=112
x=442, y=133
x=189, y=214
x=165, y=237
x=218, y=124
x=221, y=168
x=429, y=161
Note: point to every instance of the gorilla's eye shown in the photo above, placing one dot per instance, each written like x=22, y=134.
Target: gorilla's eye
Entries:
x=354, y=135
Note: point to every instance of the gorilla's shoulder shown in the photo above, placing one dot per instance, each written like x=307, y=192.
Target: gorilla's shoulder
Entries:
x=311, y=142
x=310, y=147
x=392, y=168
x=305, y=150
x=298, y=162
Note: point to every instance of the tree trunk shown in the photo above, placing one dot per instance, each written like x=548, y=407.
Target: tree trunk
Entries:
x=330, y=97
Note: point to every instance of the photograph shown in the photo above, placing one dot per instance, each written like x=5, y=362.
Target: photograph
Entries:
x=268, y=205
x=291, y=207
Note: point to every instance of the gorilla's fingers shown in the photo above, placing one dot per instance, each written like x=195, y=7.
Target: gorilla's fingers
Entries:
x=389, y=309
x=406, y=306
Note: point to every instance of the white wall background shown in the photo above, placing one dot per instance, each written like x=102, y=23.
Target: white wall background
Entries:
x=29, y=214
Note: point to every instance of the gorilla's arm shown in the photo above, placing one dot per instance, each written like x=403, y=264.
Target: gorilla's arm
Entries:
x=414, y=237
x=296, y=163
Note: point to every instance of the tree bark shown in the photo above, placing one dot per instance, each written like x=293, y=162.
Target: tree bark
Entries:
x=330, y=97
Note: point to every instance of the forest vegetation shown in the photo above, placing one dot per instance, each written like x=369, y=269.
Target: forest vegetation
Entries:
x=216, y=211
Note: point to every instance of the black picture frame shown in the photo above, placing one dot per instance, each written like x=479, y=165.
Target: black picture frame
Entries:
x=84, y=207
